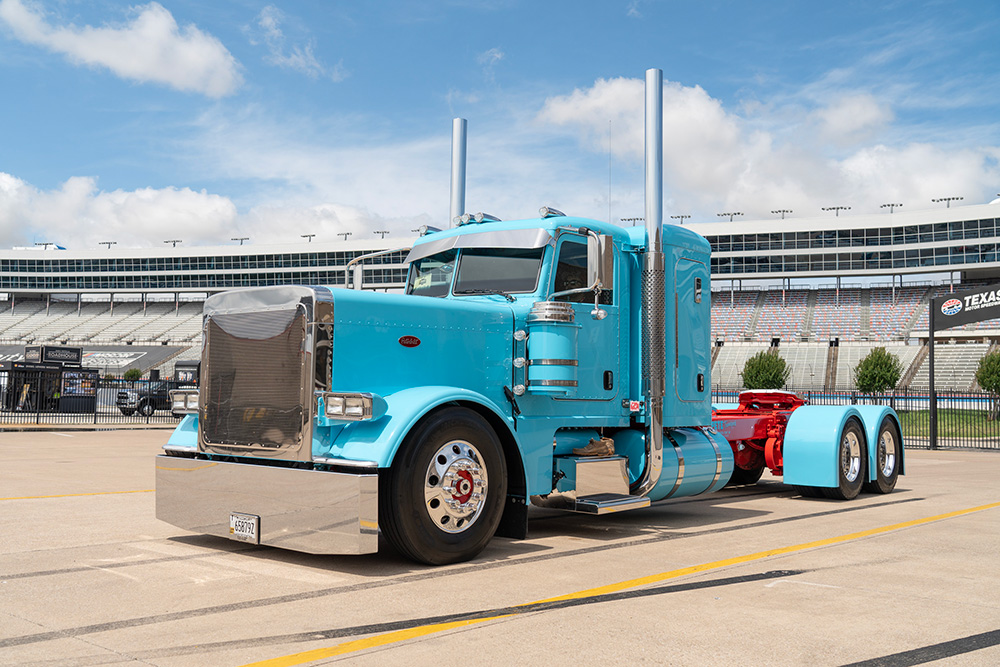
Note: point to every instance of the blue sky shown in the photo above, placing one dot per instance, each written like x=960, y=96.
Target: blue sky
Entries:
x=205, y=121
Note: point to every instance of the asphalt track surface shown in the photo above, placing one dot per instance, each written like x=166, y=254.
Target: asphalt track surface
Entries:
x=754, y=575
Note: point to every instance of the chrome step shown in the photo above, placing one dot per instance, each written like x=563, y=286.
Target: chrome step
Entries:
x=607, y=503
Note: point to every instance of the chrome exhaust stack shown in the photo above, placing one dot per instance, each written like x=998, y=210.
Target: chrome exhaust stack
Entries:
x=458, y=150
x=653, y=288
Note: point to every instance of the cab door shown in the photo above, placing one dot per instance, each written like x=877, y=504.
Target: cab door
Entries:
x=599, y=359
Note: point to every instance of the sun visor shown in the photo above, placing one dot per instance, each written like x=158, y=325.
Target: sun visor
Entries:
x=507, y=238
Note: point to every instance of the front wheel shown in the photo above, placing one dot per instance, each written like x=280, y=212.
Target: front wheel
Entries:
x=850, y=463
x=147, y=409
x=441, y=500
x=888, y=454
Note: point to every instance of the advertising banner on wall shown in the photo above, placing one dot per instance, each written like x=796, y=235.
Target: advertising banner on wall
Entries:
x=976, y=305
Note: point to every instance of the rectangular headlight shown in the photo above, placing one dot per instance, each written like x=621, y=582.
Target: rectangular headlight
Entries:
x=184, y=401
x=351, y=407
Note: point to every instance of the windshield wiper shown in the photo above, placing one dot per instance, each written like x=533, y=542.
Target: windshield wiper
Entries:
x=488, y=291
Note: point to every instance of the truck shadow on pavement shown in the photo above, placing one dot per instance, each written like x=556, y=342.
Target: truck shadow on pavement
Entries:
x=555, y=534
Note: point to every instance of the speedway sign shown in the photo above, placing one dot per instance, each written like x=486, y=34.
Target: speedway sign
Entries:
x=960, y=308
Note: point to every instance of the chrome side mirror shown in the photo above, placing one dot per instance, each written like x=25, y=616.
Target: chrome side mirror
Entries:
x=600, y=261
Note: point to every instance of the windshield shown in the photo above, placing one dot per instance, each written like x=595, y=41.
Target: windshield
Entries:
x=509, y=270
x=431, y=276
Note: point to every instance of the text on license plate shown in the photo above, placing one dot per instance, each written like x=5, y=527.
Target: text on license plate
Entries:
x=244, y=527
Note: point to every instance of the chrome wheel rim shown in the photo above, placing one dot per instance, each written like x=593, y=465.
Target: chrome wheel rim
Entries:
x=887, y=453
x=850, y=456
x=455, y=486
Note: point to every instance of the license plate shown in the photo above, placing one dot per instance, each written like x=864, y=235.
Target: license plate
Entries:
x=244, y=527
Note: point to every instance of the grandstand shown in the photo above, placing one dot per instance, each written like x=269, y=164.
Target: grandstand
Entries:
x=128, y=299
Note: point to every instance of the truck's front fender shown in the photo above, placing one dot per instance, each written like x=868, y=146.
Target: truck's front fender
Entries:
x=379, y=440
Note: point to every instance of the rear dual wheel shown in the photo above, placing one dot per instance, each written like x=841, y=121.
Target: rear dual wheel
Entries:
x=888, y=457
x=441, y=500
x=851, y=462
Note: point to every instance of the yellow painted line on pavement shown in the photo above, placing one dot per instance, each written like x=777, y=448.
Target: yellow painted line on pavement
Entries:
x=370, y=642
x=673, y=574
x=423, y=630
x=74, y=495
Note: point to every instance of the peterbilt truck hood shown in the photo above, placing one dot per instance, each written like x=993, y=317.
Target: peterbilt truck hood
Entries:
x=386, y=342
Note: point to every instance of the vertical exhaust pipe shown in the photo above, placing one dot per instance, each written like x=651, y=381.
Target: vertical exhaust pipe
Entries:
x=458, y=144
x=653, y=287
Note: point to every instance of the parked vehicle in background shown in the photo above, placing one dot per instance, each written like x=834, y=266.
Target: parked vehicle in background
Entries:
x=145, y=398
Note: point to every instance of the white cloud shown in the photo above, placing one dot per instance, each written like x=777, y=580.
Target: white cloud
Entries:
x=298, y=57
x=149, y=48
x=776, y=156
x=79, y=215
x=490, y=57
x=853, y=118
x=632, y=9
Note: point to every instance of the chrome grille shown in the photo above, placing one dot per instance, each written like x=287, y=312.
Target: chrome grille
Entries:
x=256, y=369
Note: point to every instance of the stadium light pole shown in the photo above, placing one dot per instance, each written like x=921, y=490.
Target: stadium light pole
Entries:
x=632, y=220
x=174, y=241
x=890, y=207
x=108, y=243
x=241, y=239
x=45, y=244
x=682, y=218
x=308, y=236
x=947, y=200
x=729, y=215
x=782, y=211
x=345, y=234
x=382, y=233
x=837, y=209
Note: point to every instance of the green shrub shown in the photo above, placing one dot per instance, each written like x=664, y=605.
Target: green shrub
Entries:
x=765, y=370
x=988, y=373
x=133, y=374
x=879, y=371
x=988, y=377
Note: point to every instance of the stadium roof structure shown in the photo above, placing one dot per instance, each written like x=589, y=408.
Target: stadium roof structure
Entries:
x=963, y=239
x=200, y=269
x=959, y=239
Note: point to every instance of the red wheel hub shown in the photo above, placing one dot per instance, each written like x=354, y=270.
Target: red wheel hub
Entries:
x=463, y=487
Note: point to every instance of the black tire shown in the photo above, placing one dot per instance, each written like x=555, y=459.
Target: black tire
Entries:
x=453, y=454
x=128, y=412
x=851, y=462
x=147, y=409
x=810, y=491
x=888, y=456
x=744, y=477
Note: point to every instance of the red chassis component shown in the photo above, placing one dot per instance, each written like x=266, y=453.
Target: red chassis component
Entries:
x=755, y=428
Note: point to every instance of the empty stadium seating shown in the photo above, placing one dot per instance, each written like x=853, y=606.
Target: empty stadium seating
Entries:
x=954, y=367
x=732, y=313
x=837, y=314
x=891, y=314
x=782, y=315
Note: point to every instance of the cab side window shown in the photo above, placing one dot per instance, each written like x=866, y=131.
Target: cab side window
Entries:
x=571, y=273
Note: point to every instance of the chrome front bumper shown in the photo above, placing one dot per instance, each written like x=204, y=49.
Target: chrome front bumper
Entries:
x=302, y=510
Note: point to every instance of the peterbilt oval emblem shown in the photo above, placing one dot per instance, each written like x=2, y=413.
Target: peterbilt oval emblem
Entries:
x=409, y=341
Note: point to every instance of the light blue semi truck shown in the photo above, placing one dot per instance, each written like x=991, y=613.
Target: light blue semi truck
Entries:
x=555, y=361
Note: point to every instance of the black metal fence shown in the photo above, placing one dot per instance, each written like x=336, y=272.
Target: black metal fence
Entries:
x=81, y=398
x=966, y=420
